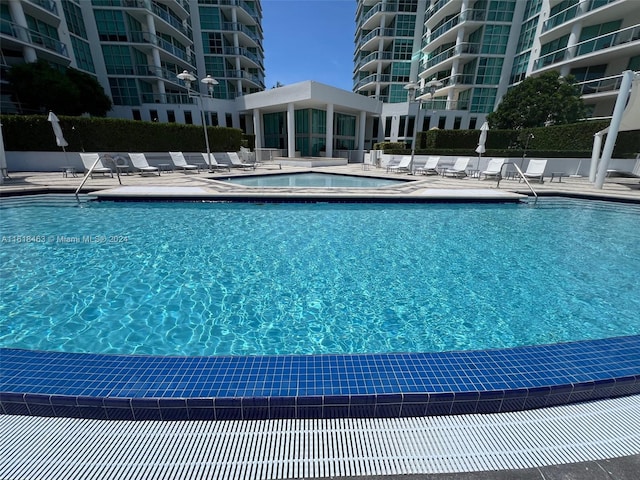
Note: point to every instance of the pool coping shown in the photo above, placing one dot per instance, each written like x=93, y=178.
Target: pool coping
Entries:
x=140, y=387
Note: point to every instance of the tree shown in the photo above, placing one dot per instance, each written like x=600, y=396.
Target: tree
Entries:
x=539, y=101
x=39, y=87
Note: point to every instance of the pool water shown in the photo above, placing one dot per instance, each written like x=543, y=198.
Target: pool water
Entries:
x=313, y=180
x=245, y=279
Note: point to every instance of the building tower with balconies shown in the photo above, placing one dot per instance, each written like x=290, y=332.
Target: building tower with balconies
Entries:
x=593, y=40
x=136, y=49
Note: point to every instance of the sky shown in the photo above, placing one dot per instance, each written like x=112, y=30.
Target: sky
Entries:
x=309, y=40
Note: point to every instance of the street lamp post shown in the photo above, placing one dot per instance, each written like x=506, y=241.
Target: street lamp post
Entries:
x=209, y=81
x=411, y=89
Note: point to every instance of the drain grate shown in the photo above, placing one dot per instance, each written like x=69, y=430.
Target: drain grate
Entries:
x=62, y=448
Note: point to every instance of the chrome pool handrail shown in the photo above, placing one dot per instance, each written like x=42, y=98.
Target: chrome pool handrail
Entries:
x=521, y=176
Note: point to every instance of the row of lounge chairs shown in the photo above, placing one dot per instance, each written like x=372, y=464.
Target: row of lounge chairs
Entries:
x=94, y=162
x=535, y=168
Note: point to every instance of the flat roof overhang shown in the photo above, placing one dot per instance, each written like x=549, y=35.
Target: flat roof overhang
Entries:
x=309, y=94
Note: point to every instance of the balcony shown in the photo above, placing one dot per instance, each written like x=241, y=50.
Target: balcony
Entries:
x=150, y=39
x=435, y=9
x=374, y=56
x=592, y=45
x=34, y=39
x=244, y=5
x=243, y=52
x=378, y=8
x=373, y=79
x=376, y=32
x=238, y=27
x=600, y=86
x=463, y=48
x=48, y=5
x=560, y=18
x=175, y=23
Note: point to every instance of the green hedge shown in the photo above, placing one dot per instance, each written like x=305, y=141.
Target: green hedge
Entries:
x=574, y=140
x=34, y=133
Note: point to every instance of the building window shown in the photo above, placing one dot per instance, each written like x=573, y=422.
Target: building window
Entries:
x=457, y=121
x=495, y=39
x=136, y=114
x=489, y=71
x=442, y=123
x=110, y=25
x=387, y=126
x=75, y=22
x=599, y=35
x=501, y=11
x=117, y=60
x=228, y=120
x=153, y=114
x=212, y=42
x=483, y=100
x=124, y=91
x=473, y=121
x=210, y=18
x=82, y=53
x=171, y=116
x=188, y=119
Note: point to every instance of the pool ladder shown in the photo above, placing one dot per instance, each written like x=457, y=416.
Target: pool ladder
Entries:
x=521, y=176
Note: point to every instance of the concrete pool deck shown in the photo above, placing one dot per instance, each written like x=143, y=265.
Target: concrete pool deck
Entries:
x=420, y=188
x=617, y=189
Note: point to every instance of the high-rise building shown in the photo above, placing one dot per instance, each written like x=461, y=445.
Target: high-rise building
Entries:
x=472, y=51
x=136, y=49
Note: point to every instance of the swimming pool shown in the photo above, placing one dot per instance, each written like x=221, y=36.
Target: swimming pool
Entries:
x=313, y=180
x=222, y=387
x=243, y=279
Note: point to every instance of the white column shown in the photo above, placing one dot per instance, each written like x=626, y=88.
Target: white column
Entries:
x=291, y=130
x=155, y=53
x=329, y=137
x=28, y=52
x=362, y=127
x=614, y=126
x=257, y=127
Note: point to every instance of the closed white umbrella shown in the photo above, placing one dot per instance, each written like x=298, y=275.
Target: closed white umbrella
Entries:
x=57, y=130
x=481, y=141
x=55, y=124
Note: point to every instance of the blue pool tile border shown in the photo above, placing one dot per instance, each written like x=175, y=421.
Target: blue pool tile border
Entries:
x=134, y=387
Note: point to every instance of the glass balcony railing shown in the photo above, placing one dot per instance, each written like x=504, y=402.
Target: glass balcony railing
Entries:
x=238, y=27
x=607, y=41
x=377, y=32
x=601, y=85
x=244, y=53
x=560, y=18
x=469, y=48
x=175, y=23
x=591, y=45
x=48, y=5
x=374, y=56
x=435, y=8
x=35, y=39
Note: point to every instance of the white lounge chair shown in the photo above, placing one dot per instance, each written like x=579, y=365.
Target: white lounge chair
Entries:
x=213, y=164
x=459, y=168
x=180, y=162
x=237, y=163
x=139, y=162
x=494, y=168
x=88, y=159
x=429, y=168
x=403, y=166
x=535, y=169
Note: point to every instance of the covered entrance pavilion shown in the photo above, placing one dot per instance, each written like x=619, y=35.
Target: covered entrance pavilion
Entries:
x=310, y=119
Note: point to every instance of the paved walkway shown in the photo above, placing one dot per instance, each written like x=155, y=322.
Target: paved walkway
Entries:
x=421, y=186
